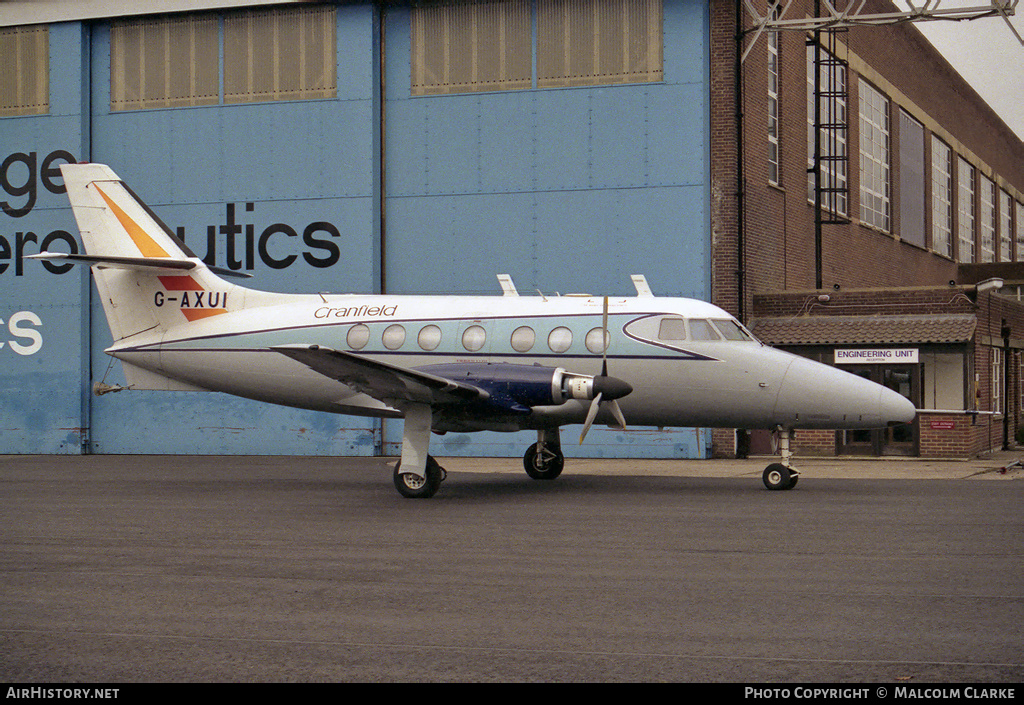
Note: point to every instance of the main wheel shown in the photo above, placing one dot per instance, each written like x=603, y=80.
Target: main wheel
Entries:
x=779, y=477
x=546, y=465
x=415, y=487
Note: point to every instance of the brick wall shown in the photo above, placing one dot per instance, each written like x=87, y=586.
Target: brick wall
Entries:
x=763, y=234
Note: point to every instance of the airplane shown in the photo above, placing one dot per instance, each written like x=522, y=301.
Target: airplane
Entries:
x=448, y=363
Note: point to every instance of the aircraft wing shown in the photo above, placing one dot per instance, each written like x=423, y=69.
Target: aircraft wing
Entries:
x=390, y=384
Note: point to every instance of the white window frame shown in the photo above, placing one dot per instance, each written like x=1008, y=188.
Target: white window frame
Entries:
x=987, y=220
x=1019, y=230
x=1005, y=226
x=875, y=158
x=965, y=187
x=942, y=198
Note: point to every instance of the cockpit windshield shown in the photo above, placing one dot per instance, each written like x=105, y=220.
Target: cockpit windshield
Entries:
x=731, y=329
x=672, y=329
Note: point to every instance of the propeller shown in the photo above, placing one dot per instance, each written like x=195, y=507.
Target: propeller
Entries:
x=606, y=389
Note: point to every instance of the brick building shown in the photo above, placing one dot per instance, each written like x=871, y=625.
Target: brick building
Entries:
x=876, y=248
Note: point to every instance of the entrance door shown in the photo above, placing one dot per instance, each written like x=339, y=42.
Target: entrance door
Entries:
x=894, y=440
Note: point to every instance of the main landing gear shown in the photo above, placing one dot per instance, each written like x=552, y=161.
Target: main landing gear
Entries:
x=413, y=486
x=782, y=476
x=544, y=460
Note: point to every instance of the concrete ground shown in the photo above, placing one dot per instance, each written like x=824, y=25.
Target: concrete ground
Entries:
x=991, y=466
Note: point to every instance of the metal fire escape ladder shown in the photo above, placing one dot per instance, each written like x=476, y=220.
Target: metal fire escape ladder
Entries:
x=831, y=146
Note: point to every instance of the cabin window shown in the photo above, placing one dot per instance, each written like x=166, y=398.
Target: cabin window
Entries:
x=394, y=337
x=473, y=338
x=597, y=340
x=672, y=329
x=560, y=339
x=358, y=336
x=429, y=337
x=523, y=339
x=700, y=329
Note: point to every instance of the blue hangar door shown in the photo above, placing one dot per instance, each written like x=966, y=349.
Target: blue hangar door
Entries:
x=267, y=164
x=563, y=143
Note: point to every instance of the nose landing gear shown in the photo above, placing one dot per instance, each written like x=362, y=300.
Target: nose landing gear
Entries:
x=782, y=476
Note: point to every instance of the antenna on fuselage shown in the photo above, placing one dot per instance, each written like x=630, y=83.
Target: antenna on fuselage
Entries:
x=642, y=287
x=508, y=287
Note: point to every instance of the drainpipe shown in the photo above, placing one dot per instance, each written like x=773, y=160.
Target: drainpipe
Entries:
x=1005, y=330
x=740, y=186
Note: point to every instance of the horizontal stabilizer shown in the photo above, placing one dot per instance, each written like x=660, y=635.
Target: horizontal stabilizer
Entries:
x=390, y=384
x=141, y=264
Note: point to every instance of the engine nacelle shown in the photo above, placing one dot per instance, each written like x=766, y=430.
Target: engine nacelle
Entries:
x=519, y=388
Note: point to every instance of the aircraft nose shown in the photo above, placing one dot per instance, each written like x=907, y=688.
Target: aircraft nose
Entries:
x=814, y=395
x=894, y=408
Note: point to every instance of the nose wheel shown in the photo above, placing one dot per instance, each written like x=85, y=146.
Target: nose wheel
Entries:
x=782, y=476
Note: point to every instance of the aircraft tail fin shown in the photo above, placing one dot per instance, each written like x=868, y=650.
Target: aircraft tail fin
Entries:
x=147, y=277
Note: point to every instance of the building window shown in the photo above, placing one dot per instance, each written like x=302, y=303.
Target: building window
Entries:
x=280, y=54
x=587, y=43
x=912, y=191
x=492, y=45
x=1005, y=227
x=276, y=54
x=773, y=103
x=25, y=78
x=988, y=220
x=831, y=131
x=874, y=157
x=472, y=46
x=1019, y=229
x=164, y=62
x=965, y=210
x=942, y=198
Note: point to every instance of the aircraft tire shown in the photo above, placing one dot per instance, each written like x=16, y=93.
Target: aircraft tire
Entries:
x=543, y=468
x=778, y=477
x=413, y=486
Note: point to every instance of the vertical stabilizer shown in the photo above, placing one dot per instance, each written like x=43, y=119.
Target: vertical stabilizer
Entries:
x=148, y=278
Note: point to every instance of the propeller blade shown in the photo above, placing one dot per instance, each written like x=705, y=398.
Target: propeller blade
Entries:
x=617, y=413
x=606, y=386
x=591, y=414
x=604, y=338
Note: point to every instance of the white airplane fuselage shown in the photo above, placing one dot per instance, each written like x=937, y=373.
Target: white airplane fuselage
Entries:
x=676, y=382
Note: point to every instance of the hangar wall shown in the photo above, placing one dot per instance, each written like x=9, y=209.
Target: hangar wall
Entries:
x=567, y=189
